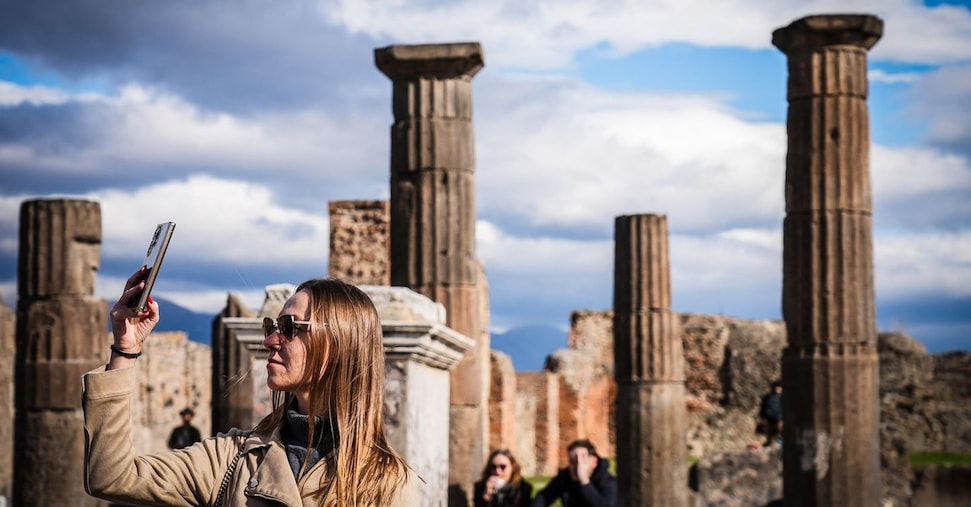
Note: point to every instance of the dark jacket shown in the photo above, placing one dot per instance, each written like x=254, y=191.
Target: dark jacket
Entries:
x=600, y=492
x=772, y=406
x=511, y=495
x=184, y=436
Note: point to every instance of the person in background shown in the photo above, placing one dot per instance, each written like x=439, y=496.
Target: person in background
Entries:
x=585, y=483
x=771, y=411
x=323, y=443
x=185, y=434
x=502, y=484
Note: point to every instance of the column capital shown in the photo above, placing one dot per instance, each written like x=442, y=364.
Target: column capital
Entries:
x=817, y=32
x=455, y=60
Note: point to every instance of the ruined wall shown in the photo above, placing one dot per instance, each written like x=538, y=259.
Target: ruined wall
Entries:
x=359, y=242
x=925, y=398
x=502, y=402
x=537, y=414
x=173, y=373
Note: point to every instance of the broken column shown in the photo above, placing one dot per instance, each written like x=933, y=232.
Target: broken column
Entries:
x=831, y=451
x=652, y=453
x=433, y=222
x=62, y=332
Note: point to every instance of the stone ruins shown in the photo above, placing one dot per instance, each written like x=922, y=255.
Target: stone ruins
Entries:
x=832, y=451
x=645, y=384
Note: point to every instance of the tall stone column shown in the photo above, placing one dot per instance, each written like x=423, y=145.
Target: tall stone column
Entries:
x=652, y=448
x=830, y=372
x=61, y=334
x=433, y=222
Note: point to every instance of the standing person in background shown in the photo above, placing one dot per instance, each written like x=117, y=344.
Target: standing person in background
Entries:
x=185, y=434
x=585, y=483
x=502, y=484
x=771, y=411
x=323, y=444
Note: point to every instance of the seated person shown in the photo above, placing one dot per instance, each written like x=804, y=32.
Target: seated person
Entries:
x=502, y=484
x=585, y=483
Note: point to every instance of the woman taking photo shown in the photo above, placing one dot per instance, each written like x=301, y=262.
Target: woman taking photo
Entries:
x=502, y=484
x=322, y=444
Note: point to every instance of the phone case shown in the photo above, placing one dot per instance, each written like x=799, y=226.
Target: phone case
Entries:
x=153, y=260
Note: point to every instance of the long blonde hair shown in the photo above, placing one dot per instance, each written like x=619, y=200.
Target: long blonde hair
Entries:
x=344, y=375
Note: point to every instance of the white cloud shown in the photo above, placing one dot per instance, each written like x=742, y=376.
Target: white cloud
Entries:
x=547, y=33
x=918, y=264
x=880, y=76
x=13, y=94
x=583, y=156
x=913, y=170
x=217, y=220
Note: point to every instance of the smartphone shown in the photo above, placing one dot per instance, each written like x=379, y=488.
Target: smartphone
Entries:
x=153, y=260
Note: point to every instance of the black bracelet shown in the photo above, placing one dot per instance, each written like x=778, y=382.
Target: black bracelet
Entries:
x=122, y=353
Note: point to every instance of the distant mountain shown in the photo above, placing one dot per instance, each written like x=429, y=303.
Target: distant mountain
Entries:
x=177, y=318
x=529, y=345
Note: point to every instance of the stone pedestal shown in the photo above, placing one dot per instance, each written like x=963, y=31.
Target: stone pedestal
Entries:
x=830, y=366
x=433, y=219
x=649, y=367
x=419, y=352
x=61, y=333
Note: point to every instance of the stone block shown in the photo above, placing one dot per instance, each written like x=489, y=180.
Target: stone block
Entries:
x=59, y=340
x=60, y=247
x=502, y=403
x=360, y=242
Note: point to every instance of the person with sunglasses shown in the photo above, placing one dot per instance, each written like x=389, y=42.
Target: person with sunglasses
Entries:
x=323, y=443
x=502, y=484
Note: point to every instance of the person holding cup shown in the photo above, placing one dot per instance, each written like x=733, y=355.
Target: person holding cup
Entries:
x=502, y=484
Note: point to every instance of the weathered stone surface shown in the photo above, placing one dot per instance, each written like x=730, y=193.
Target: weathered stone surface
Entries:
x=359, y=242
x=502, y=403
x=173, y=373
x=739, y=479
x=537, y=410
x=60, y=247
x=8, y=322
x=53, y=458
x=61, y=338
x=830, y=367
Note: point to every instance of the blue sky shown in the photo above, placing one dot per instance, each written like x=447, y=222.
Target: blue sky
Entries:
x=241, y=120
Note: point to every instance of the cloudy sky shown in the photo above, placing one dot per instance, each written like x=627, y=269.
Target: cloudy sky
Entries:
x=240, y=120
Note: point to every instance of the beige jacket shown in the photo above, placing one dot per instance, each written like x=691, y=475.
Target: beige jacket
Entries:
x=191, y=476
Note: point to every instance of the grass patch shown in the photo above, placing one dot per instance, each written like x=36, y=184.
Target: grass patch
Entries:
x=922, y=458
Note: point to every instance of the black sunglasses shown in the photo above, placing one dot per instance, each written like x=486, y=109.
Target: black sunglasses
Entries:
x=286, y=325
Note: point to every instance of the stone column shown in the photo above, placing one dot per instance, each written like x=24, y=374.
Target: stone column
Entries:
x=61, y=334
x=652, y=451
x=433, y=221
x=830, y=372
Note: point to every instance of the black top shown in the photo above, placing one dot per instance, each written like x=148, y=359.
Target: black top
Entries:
x=772, y=406
x=295, y=432
x=601, y=491
x=510, y=495
x=184, y=436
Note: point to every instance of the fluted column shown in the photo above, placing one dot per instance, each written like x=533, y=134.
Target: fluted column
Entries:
x=61, y=334
x=433, y=222
x=649, y=368
x=831, y=452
